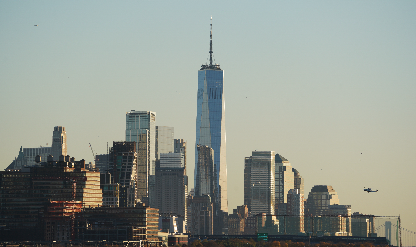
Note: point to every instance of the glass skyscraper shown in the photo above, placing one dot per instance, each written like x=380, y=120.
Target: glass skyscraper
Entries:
x=259, y=182
x=141, y=128
x=210, y=126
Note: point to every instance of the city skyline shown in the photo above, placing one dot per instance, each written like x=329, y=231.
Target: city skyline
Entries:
x=328, y=85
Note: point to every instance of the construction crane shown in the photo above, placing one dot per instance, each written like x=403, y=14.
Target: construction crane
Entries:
x=93, y=156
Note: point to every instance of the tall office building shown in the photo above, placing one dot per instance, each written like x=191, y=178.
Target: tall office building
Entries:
x=179, y=146
x=259, y=182
x=101, y=162
x=204, y=182
x=210, y=126
x=171, y=185
x=58, y=142
x=284, y=179
x=124, y=160
x=295, y=211
x=319, y=199
x=299, y=181
x=201, y=217
x=164, y=140
x=141, y=128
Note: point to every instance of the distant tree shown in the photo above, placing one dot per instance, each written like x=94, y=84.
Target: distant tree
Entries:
x=196, y=243
x=274, y=244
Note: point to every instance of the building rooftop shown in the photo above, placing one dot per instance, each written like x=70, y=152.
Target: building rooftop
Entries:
x=280, y=159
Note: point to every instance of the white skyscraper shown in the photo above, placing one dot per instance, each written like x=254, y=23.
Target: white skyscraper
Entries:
x=164, y=140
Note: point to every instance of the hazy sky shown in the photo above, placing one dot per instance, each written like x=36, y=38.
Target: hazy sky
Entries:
x=329, y=85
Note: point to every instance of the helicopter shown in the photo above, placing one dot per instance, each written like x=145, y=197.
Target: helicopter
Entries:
x=369, y=190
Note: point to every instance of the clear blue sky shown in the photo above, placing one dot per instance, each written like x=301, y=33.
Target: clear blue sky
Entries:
x=330, y=85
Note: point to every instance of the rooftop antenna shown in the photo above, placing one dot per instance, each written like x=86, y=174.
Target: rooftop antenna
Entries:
x=210, y=45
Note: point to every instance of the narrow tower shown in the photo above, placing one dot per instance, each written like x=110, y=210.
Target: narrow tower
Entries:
x=210, y=126
x=58, y=142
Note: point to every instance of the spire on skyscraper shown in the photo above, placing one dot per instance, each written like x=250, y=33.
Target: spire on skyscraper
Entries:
x=210, y=65
x=210, y=45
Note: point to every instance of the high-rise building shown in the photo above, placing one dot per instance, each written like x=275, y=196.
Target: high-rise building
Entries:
x=58, y=142
x=284, y=179
x=171, y=184
x=180, y=147
x=141, y=128
x=164, y=140
x=101, y=162
x=299, y=181
x=259, y=182
x=210, y=126
x=25, y=194
x=319, y=199
x=204, y=182
x=124, y=160
x=27, y=155
x=171, y=160
x=201, y=219
x=295, y=211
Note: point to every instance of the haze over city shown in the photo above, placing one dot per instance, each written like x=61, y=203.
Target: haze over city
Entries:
x=329, y=85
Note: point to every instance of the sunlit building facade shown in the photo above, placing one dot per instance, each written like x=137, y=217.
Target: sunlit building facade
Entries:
x=58, y=142
x=164, y=140
x=284, y=179
x=27, y=156
x=141, y=128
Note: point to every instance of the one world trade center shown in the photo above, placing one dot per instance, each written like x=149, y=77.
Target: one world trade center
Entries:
x=210, y=131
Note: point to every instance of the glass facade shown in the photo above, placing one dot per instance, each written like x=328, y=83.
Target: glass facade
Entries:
x=140, y=127
x=319, y=199
x=210, y=128
x=259, y=182
x=285, y=180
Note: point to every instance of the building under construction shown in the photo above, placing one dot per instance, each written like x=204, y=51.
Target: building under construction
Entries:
x=59, y=220
x=26, y=196
x=138, y=223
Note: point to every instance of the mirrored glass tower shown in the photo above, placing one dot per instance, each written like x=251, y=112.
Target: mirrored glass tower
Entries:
x=210, y=126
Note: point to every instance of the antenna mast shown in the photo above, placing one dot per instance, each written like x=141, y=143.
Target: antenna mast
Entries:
x=210, y=65
x=210, y=45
